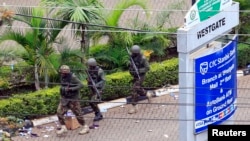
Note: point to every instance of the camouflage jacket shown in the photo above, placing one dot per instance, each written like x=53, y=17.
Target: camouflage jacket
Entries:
x=70, y=87
x=141, y=63
x=98, y=77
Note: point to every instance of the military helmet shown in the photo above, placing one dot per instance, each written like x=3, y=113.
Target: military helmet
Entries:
x=91, y=62
x=64, y=69
x=135, y=49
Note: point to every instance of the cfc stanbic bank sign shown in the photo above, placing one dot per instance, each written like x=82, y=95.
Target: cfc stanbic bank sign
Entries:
x=215, y=86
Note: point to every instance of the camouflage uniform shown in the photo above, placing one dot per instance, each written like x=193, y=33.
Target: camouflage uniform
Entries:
x=97, y=75
x=70, y=89
x=143, y=67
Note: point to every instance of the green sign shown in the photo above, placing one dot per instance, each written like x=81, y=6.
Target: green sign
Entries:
x=203, y=10
x=208, y=8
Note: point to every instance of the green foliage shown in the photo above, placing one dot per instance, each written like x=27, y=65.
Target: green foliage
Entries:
x=36, y=41
x=117, y=85
x=98, y=49
x=87, y=11
x=243, y=55
x=5, y=71
x=162, y=73
x=160, y=38
x=112, y=58
x=39, y=103
x=244, y=4
x=244, y=27
x=10, y=75
x=4, y=84
x=112, y=18
x=72, y=58
x=156, y=42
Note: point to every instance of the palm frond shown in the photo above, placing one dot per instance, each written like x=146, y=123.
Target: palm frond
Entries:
x=114, y=16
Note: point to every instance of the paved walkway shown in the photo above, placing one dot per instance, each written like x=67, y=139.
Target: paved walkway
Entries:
x=154, y=122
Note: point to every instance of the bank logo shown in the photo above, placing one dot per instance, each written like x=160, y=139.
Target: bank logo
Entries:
x=203, y=68
x=192, y=14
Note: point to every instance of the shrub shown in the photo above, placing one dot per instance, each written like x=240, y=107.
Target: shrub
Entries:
x=243, y=55
x=39, y=103
x=4, y=84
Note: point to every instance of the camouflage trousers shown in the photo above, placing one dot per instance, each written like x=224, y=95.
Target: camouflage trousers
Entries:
x=74, y=106
x=95, y=100
x=137, y=89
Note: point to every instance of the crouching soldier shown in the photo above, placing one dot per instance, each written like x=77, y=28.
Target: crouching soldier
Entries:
x=139, y=66
x=96, y=82
x=69, y=90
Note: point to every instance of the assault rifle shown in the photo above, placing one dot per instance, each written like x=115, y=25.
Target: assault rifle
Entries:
x=93, y=84
x=133, y=63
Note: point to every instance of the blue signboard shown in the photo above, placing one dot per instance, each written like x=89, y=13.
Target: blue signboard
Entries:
x=215, y=86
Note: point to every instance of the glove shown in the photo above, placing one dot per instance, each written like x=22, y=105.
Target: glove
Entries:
x=69, y=89
x=65, y=90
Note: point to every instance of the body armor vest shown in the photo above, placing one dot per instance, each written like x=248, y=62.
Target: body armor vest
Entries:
x=65, y=81
x=94, y=74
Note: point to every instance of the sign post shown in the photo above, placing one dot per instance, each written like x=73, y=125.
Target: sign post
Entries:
x=194, y=80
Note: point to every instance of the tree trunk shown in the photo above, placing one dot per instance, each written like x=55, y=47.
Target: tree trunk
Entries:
x=37, y=83
x=46, y=78
x=84, y=43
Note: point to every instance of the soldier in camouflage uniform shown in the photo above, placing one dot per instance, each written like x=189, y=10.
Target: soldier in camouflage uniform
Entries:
x=95, y=74
x=142, y=65
x=69, y=90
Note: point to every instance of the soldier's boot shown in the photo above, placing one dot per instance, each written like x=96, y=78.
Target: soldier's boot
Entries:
x=84, y=130
x=133, y=110
x=62, y=131
x=95, y=125
x=98, y=116
x=149, y=95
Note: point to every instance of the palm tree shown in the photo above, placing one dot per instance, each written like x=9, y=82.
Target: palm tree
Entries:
x=114, y=55
x=158, y=42
x=112, y=19
x=35, y=40
x=79, y=13
x=71, y=57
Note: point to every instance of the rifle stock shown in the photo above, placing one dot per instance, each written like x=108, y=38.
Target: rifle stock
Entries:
x=134, y=66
